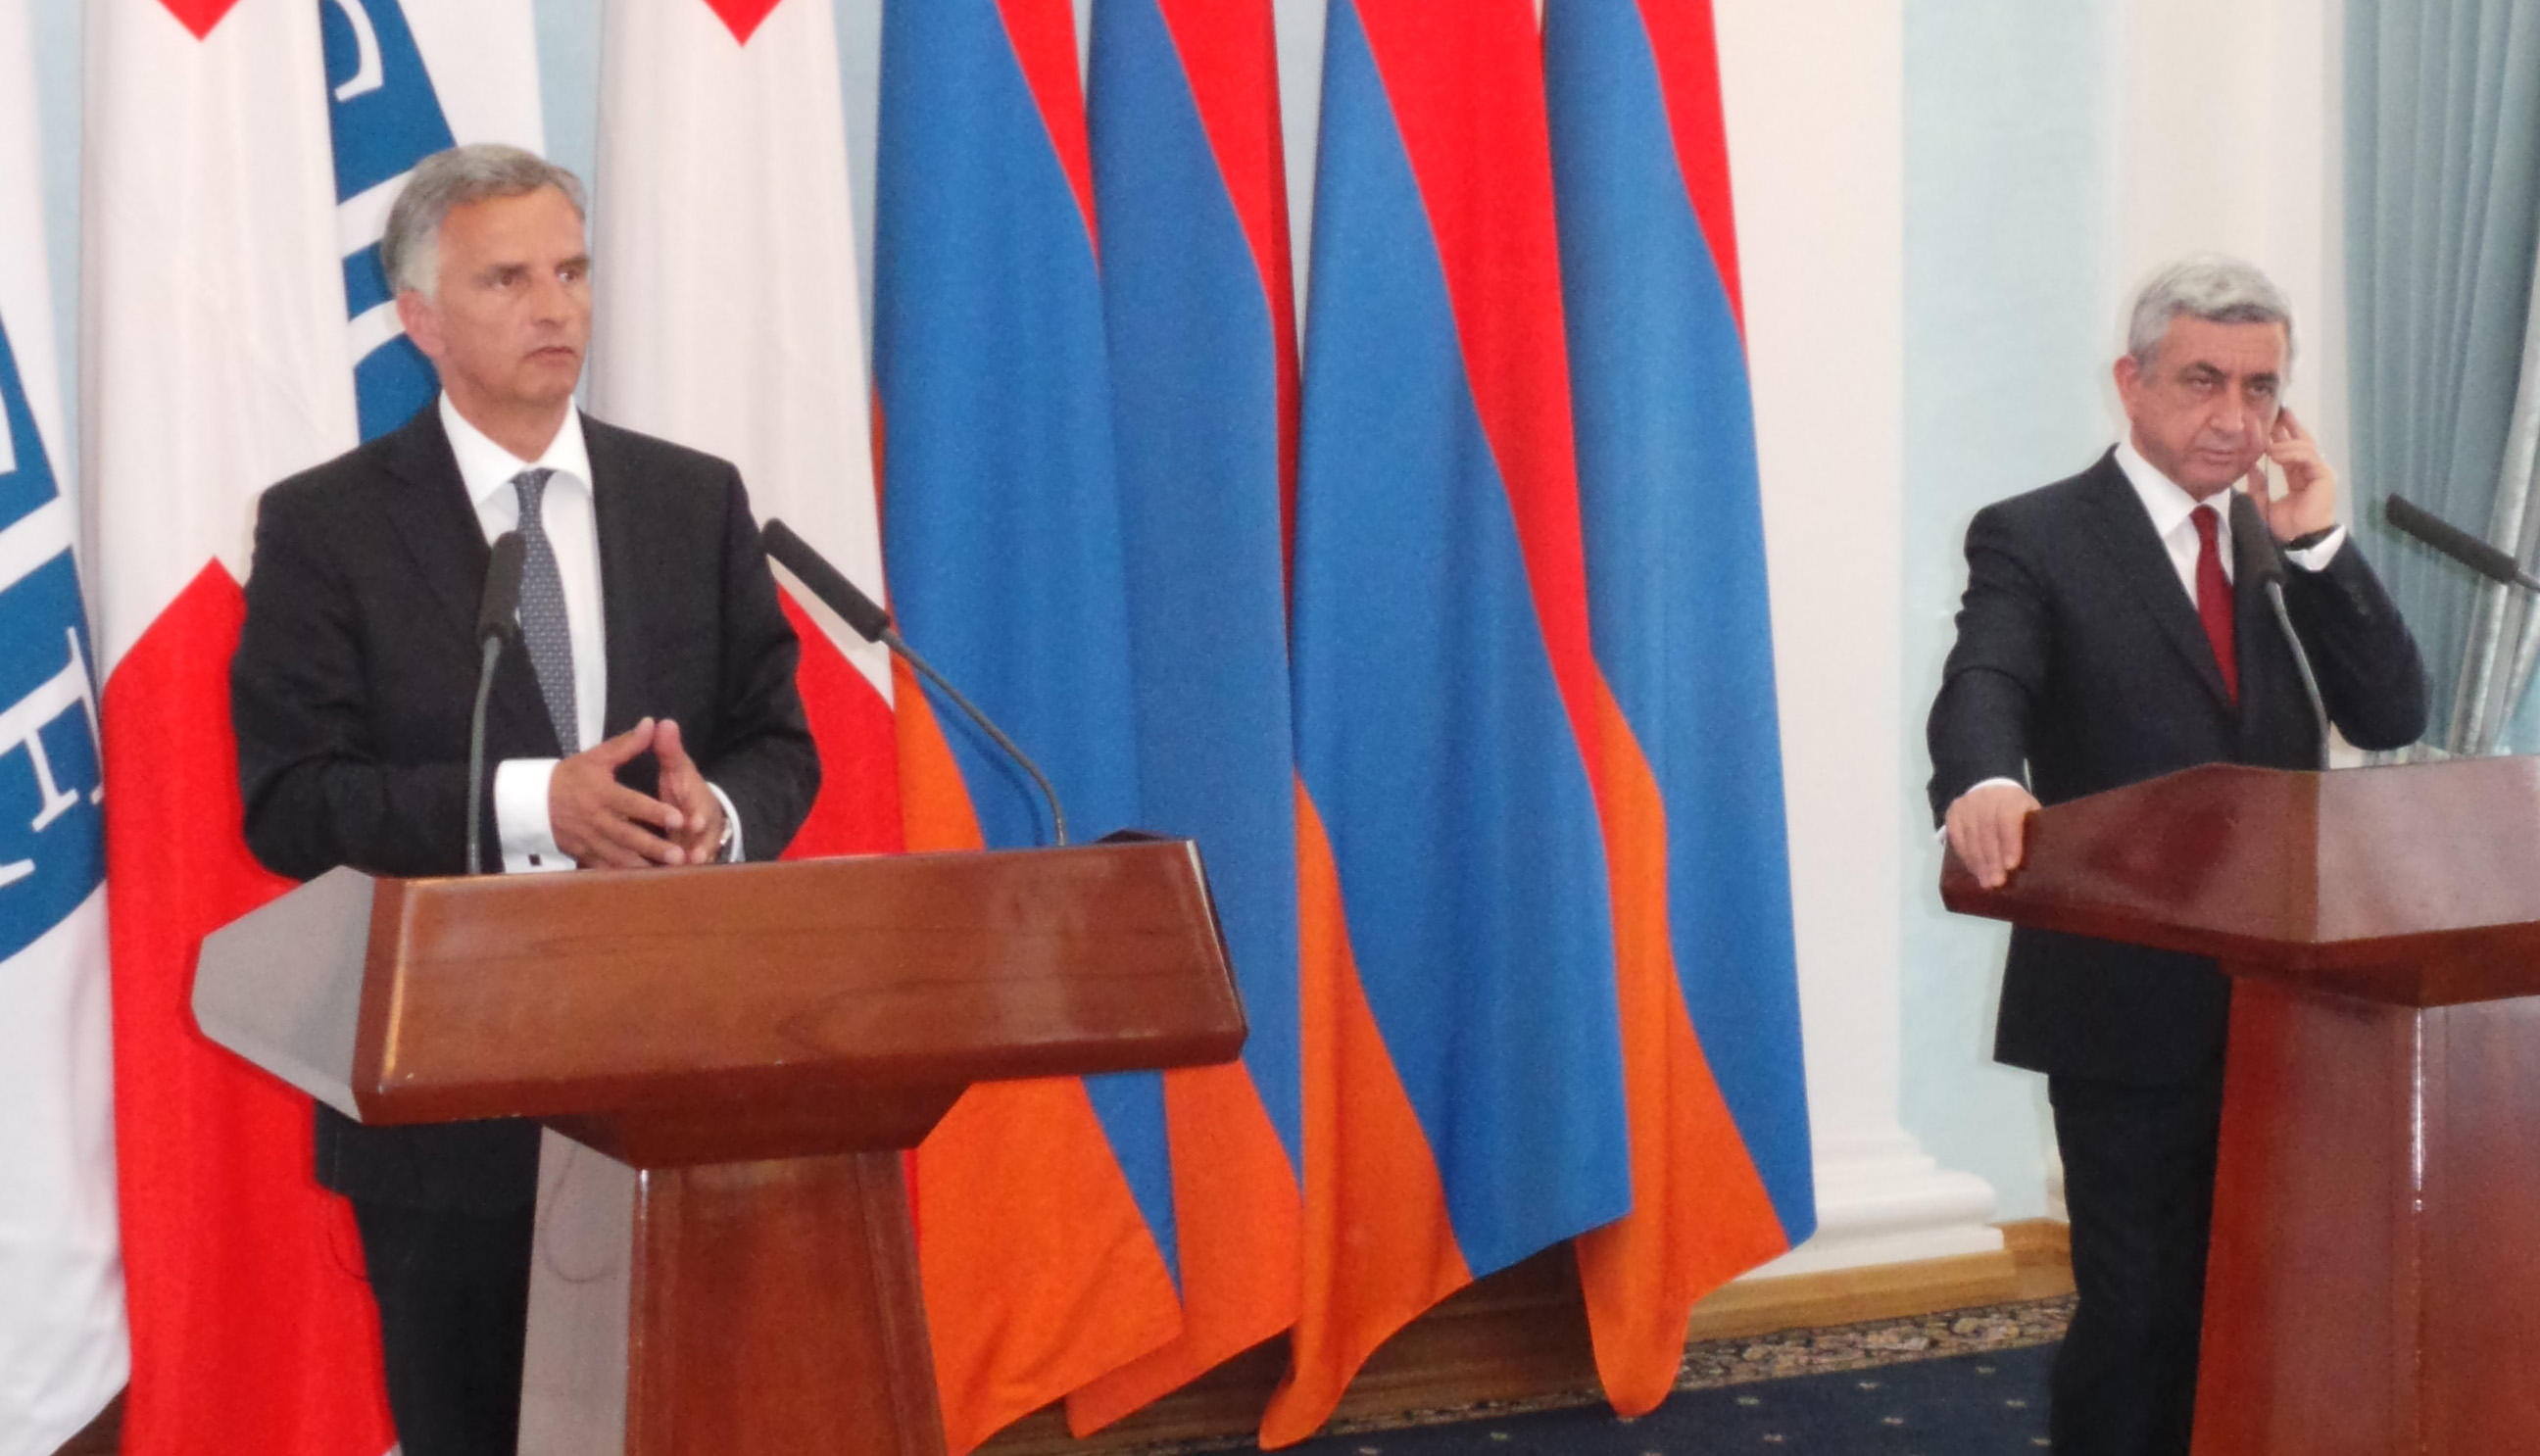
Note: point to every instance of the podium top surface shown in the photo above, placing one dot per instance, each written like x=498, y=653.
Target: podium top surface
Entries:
x=880, y=986
x=2414, y=884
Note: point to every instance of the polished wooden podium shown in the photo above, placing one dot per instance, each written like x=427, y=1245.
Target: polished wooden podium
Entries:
x=2375, y=1285
x=728, y=1059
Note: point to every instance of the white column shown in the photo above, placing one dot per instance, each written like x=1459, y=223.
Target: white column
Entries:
x=1816, y=114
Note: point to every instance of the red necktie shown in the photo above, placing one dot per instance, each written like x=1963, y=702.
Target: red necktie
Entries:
x=2214, y=601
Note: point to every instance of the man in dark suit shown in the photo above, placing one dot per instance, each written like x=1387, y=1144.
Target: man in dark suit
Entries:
x=649, y=719
x=2112, y=630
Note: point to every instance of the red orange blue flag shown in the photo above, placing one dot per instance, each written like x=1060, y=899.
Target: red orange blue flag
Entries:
x=1045, y=1216
x=1680, y=619
x=1464, y=1102
x=1191, y=191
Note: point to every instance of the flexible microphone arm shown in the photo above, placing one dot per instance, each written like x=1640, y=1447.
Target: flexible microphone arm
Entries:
x=496, y=611
x=2488, y=561
x=2262, y=557
x=873, y=624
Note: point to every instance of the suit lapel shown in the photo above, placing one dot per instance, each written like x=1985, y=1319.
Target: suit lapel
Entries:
x=616, y=509
x=437, y=525
x=2142, y=564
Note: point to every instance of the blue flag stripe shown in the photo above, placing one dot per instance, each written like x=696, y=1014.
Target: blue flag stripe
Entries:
x=1194, y=365
x=1432, y=731
x=1001, y=519
x=1676, y=548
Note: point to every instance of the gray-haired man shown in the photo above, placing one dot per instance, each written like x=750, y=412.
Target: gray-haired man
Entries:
x=2111, y=631
x=651, y=719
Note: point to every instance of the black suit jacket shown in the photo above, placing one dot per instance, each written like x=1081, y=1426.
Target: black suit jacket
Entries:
x=2081, y=666
x=357, y=665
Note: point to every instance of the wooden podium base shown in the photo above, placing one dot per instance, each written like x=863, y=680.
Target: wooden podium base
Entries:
x=766, y=1308
x=2375, y=1285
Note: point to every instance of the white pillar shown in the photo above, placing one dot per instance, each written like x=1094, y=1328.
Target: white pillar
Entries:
x=1815, y=141
x=2230, y=136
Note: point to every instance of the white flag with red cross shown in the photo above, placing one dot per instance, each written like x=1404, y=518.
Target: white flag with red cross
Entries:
x=239, y=156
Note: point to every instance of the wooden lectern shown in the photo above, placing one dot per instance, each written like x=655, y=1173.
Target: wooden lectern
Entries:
x=2374, y=1284
x=728, y=1059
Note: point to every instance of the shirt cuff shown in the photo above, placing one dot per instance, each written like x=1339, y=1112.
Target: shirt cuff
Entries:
x=2316, y=558
x=731, y=816
x=521, y=816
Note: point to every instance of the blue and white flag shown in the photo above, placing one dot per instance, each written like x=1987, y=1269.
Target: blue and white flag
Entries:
x=404, y=81
x=62, y=1347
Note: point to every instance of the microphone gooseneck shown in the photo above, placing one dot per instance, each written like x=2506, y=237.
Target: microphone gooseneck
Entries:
x=497, y=614
x=2262, y=557
x=873, y=624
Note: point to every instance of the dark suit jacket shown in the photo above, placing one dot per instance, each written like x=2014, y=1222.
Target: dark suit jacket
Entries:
x=2079, y=659
x=357, y=665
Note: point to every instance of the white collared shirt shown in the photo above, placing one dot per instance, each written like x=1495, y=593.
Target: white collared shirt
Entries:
x=486, y=470
x=2171, y=510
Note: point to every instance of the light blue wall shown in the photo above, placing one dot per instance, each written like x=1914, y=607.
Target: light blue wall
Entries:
x=2008, y=179
x=58, y=126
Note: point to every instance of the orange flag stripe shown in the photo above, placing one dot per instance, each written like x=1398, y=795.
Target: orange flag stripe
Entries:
x=1379, y=1248
x=1038, y=1270
x=1700, y=1212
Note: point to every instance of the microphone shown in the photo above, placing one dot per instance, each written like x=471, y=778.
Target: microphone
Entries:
x=2259, y=555
x=2485, y=560
x=496, y=620
x=873, y=624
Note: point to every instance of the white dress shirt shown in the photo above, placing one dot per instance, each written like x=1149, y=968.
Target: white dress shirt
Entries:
x=486, y=470
x=2170, y=507
x=566, y=510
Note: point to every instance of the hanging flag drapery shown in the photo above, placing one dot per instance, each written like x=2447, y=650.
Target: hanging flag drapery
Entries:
x=62, y=1346
x=240, y=158
x=211, y=201
x=728, y=320
x=1044, y=1208
x=1681, y=621
x=1191, y=191
x=401, y=86
x=1463, y=1092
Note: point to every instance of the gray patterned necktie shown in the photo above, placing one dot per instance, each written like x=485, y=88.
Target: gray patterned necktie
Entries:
x=544, y=624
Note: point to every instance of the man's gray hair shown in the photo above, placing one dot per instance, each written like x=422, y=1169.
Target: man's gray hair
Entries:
x=2211, y=285
x=410, y=247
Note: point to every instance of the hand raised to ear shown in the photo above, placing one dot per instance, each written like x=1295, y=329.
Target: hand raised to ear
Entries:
x=2309, y=501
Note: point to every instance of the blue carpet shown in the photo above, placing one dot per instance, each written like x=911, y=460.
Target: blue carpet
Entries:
x=1992, y=1403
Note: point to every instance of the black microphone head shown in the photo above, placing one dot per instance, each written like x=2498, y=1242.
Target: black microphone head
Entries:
x=826, y=582
x=2488, y=561
x=498, y=610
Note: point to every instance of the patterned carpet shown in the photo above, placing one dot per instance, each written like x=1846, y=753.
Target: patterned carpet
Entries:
x=1966, y=1382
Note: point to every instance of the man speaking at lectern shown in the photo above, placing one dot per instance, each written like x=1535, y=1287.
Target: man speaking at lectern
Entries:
x=649, y=716
x=2113, y=631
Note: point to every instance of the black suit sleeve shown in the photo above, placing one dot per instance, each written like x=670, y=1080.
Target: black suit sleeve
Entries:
x=318, y=789
x=763, y=757
x=2370, y=674
x=1996, y=671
